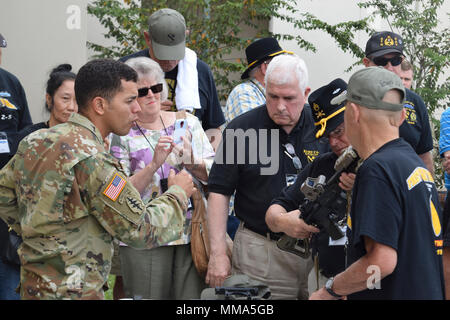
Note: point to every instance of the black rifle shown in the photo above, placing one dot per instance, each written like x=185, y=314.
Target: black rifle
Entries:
x=324, y=205
x=228, y=292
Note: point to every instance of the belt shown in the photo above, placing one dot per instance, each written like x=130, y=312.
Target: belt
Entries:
x=271, y=235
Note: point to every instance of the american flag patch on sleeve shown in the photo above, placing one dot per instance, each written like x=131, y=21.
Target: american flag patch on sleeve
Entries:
x=115, y=187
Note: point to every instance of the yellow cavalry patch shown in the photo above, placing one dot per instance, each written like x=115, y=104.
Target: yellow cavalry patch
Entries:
x=419, y=174
x=435, y=220
x=311, y=154
x=5, y=103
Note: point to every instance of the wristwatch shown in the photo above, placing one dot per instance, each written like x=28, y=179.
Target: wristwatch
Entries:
x=329, y=288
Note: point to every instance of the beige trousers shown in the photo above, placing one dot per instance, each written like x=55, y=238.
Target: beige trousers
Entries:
x=257, y=256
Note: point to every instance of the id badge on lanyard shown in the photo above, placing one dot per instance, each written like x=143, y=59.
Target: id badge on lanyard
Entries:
x=4, y=146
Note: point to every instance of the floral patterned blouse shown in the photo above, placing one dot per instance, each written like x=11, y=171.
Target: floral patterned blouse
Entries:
x=134, y=153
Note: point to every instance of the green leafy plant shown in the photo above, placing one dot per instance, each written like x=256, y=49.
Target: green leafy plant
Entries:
x=216, y=29
x=216, y=32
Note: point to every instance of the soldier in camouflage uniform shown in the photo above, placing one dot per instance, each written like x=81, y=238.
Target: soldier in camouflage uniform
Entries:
x=68, y=197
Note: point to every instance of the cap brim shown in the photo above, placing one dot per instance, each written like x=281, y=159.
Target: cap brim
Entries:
x=339, y=99
x=383, y=52
x=272, y=55
x=245, y=75
x=163, y=52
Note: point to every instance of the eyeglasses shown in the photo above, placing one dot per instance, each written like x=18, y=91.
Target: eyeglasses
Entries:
x=290, y=151
x=157, y=88
x=382, y=61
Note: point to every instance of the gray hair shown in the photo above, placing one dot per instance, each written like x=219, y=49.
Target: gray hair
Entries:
x=285, y=69
x=147, y=68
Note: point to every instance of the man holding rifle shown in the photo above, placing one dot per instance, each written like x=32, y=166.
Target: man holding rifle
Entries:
x=283, y=214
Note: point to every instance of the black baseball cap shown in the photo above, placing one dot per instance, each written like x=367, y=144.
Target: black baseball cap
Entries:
x=382, y=43
x=2, y=41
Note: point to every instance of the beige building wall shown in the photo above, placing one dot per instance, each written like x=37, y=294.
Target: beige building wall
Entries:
x=329, y=62
x=42, y=34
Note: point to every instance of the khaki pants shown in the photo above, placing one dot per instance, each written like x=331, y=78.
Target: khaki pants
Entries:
x=160, y=273
x=257, y=256
x=315, y=284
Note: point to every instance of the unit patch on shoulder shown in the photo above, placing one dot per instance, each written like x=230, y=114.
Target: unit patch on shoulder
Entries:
x=115, y=187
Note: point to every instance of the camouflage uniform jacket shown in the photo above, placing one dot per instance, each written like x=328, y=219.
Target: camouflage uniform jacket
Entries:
x=68, y=198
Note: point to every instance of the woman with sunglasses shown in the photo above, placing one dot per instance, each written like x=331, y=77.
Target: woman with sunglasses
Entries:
x=148, y=154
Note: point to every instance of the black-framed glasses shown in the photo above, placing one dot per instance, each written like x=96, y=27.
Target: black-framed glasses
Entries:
x=157, y=88
x=290, y=152
x=382, y=61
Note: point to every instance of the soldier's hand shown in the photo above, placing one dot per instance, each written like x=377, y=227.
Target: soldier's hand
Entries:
x=182, y=179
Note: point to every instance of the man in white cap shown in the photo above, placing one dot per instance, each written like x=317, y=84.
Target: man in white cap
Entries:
x=190, y=81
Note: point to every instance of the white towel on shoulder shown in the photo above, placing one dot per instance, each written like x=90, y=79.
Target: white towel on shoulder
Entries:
x=186, y=92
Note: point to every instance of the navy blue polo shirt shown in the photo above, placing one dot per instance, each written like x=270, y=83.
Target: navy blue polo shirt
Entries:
x=416, y=128
x=260, y=168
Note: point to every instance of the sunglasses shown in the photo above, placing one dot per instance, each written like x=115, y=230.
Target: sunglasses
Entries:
x=157, y=88
x=382, y=61
x=290, y=151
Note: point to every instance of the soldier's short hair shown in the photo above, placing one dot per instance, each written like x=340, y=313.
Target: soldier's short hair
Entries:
x=101, y=78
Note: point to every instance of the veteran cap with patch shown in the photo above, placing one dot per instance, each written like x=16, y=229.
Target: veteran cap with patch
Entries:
x=367, y=87
x=382, y=43
x=327, y=116
x=167, y=30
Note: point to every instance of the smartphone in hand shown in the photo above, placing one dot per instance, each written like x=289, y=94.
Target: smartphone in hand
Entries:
x=180, y=130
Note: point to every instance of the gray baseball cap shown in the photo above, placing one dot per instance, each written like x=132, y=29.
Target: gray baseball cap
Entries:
x=167, y=29
x=368, y=86
x=2, y=42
